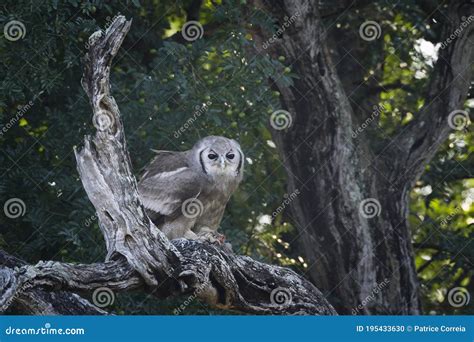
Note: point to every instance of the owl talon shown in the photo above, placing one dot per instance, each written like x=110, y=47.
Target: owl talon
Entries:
x=212, y=237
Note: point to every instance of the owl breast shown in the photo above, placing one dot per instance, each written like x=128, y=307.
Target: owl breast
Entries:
x=214, y=204
x=209, y=172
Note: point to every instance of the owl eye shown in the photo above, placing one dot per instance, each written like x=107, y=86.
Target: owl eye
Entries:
x=212, y=156
x=230, y=156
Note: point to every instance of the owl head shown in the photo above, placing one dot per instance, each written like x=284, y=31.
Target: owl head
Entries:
x=219, y=157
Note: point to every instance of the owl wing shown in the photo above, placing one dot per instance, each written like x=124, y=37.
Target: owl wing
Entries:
x=167, y=182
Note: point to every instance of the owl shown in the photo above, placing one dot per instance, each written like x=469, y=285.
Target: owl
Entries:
x=185, y=193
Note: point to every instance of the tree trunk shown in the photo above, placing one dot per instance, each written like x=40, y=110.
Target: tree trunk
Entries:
x=352, y=208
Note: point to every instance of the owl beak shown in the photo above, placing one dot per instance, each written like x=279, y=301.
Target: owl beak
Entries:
x=222, y=160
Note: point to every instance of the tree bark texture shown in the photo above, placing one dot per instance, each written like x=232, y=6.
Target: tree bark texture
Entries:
x=351, y=214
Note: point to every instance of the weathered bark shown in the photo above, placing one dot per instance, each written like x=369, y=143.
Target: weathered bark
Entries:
x=139, y=257
x=223, y=280
x=40, y=302
x=350, y=254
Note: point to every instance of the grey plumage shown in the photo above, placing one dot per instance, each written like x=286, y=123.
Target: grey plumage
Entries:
x=185, y=193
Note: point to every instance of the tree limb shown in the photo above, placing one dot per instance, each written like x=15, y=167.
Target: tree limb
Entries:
x=105, y=169
x=446, y=93
x=40, y=302
x=221, y=279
